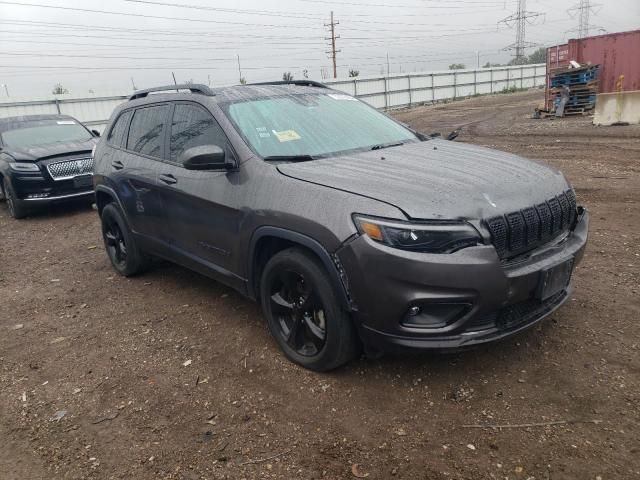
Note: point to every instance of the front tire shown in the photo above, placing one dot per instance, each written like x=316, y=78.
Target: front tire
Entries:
x=303, y=312
x=15, y=206
x=125, y=255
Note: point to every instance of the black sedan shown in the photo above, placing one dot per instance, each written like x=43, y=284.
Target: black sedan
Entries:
x=44, y=159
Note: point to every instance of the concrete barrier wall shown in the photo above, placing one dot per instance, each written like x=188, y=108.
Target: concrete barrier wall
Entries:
x=622, y=107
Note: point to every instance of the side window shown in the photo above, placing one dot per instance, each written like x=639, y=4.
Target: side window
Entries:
x=145, y=133
x=118, y=129
x=193, y=126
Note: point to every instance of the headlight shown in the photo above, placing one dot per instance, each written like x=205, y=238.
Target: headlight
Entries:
x=24, y=166
x=432, y=237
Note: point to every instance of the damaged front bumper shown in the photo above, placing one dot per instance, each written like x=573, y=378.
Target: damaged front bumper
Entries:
x=416, y=301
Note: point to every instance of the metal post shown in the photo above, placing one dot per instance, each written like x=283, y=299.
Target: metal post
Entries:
x=386, y=89
x=475, y=82
x=491, y=80
x=355, y=87
x=433, y=89
x=521, y=77
x=58, y=106
x=409, y=82
x=455, y=87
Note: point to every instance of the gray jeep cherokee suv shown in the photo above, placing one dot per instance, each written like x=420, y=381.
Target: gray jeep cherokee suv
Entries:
x=349, y=228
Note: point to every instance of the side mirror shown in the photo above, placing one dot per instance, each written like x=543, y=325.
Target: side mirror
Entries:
x=96, y=133
x=204, y=157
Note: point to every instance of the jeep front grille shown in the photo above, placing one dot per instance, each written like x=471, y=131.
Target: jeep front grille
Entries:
x=70, y=168
x=523, y=230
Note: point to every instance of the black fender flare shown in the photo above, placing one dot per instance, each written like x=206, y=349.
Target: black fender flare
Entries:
x=112, y=193
x=327, y=260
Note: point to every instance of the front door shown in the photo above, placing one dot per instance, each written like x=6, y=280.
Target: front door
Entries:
x=203, y=216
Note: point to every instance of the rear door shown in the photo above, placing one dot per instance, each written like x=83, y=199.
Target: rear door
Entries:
x=202, y=215
x=143, y=153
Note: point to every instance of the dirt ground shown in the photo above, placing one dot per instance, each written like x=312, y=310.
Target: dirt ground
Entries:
x=172, y=376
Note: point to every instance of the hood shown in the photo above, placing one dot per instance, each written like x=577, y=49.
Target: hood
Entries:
x=437, y=179
x=43, y=152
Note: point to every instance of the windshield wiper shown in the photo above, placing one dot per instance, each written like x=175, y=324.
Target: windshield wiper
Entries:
x=288, y=158
x=386, y=145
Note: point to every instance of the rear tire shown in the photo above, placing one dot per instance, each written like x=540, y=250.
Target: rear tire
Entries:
x=125, y=255
x=15, y=206
x=304, y=313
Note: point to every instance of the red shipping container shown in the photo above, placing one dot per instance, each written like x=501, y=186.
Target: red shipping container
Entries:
x=616, y=53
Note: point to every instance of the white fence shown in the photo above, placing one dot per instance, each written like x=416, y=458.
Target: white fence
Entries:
x=393, y=91
x=397, y=91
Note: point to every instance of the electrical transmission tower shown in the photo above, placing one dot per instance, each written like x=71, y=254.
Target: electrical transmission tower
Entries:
x=582, y=10
x=333, y=38
x=519, y=20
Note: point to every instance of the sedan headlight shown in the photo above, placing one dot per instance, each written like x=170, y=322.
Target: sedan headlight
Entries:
x=431, y=237
x=24, y=166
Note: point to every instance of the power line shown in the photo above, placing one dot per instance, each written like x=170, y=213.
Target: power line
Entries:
x=582, y=10
x=447, y=6
x=158, y=17
x=520, y=20
x=333, y=52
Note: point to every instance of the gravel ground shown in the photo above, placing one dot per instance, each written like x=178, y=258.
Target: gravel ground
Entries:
x=172, y=376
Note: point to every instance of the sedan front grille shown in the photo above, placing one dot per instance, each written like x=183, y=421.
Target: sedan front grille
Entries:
x=70, y=168
x=523, y=230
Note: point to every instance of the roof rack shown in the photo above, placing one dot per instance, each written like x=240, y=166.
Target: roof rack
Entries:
x=193, y=87
x=300, y=83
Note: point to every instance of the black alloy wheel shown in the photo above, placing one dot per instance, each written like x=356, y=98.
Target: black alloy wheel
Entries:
x=304, y=313
x=299, y=313
x=120, y=243
x=115, y=242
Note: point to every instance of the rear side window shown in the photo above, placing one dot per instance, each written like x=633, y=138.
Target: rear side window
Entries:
x=146, y=130
x=117, y=131
x=193, y=126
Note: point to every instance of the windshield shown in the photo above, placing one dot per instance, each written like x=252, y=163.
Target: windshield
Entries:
x=36, y=134
x=313, y=125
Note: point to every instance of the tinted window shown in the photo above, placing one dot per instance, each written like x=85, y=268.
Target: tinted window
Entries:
x=193, y=126
x=118, y=129
x=145, y=133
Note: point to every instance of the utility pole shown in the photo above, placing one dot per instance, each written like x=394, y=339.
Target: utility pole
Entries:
x=133, y=85
x=519, y=21
x=582, y=10
x=333, y=38
x=388, y=64
x=478, y=59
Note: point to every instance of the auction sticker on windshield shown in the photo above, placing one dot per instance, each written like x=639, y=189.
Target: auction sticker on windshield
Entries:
x=286, y=135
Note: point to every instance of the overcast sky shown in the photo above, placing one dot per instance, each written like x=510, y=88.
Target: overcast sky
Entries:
x=143, y=41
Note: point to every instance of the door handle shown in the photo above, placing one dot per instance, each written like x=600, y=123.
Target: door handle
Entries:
x=117, y=164
x=167, y=178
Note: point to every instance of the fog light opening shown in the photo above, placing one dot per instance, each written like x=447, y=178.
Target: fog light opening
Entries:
x=434, y=314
